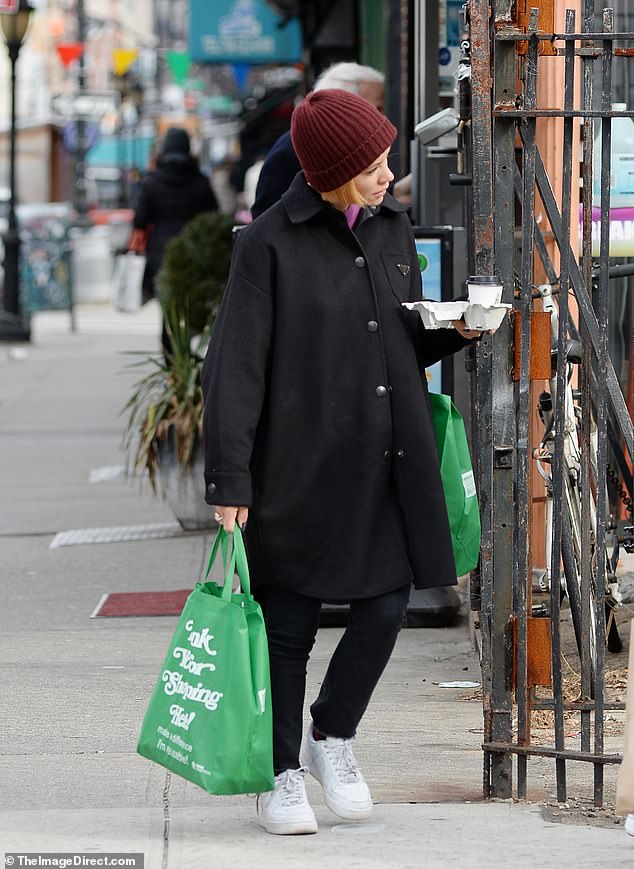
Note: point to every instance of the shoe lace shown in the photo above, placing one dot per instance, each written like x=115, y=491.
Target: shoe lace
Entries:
x=345, y=763
x=290, y=786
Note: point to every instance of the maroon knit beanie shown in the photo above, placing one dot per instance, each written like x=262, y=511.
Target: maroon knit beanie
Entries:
x=336, y=135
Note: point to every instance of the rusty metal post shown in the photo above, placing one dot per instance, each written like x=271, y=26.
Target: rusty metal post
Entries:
x=522, y=570
x=601, y=306
x=585, y=379
x=494, y=397
x=482, y=237
x=559, y=466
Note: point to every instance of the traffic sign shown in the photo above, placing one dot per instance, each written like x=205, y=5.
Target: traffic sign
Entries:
x=85, y=105
x=70, y=136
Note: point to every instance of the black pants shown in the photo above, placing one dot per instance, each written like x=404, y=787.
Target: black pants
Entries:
x=354, y=670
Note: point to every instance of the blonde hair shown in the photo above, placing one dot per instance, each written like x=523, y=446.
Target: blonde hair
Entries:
x=343, y=196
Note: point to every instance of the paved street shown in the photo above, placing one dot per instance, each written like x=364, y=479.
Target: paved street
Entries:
x=74, y=688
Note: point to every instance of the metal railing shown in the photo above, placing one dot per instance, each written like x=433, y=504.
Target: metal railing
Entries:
x=508, y=174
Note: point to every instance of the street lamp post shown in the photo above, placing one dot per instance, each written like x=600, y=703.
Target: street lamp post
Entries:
x=12, y=326
x=82, y=219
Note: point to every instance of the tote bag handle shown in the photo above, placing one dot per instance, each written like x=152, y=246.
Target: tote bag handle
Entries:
x=237, y=562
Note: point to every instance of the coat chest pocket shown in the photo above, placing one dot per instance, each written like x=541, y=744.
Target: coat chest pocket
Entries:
x=403, y=275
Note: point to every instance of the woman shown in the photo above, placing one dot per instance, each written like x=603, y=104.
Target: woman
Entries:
x=318, y=430
x=170, y=195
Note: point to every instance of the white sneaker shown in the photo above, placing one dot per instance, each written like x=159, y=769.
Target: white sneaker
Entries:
x=629, y=825
x=332, y=762
x=286, y=811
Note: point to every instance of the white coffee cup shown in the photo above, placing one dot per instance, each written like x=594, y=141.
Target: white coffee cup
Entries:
x=484, y=290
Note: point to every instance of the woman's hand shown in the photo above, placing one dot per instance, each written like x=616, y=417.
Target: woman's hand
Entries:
x=469, y=334
x=228, y=516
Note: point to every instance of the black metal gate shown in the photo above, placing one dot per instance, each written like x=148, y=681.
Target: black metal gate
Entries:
x=587, y=444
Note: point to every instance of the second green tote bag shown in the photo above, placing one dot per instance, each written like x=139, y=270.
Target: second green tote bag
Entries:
x=458, y=482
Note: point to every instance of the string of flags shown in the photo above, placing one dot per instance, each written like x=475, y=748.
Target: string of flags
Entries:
x=178, y=62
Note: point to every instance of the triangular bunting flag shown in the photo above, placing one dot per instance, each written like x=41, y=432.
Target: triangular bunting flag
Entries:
x=123, y=58
x=70, y=51
x=179, y=64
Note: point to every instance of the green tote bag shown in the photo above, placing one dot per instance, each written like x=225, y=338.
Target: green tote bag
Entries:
x=209, y=717
x=458, y=482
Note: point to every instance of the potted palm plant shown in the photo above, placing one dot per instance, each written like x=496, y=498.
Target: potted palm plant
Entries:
x=162, y=437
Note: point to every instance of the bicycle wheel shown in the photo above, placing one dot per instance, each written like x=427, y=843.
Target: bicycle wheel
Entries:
x=572, y=576
x=613, y=597
x=571, y=560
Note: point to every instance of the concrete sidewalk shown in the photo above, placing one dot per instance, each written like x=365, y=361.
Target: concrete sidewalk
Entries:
x=75, y=689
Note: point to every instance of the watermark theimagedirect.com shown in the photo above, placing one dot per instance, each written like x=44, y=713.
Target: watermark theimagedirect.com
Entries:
x=15, y=860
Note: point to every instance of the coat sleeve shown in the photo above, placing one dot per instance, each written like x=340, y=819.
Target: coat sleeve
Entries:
x=235, y=374
x=435, y=344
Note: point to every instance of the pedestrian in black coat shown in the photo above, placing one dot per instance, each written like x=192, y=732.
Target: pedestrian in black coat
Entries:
x=170, y=196
x=318, y=429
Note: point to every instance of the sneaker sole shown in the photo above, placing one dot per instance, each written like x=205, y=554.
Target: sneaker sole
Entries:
x=346, y=814
x=289, y=829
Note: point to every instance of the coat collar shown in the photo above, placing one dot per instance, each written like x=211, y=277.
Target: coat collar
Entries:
x=302, y=202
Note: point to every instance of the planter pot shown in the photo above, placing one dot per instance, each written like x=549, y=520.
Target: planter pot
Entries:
x=184, y=489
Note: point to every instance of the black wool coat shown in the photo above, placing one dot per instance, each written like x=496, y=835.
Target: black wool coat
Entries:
x=169, y=197
x=316, y=409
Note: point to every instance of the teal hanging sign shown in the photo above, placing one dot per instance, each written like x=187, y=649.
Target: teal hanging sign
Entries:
x=241, y=31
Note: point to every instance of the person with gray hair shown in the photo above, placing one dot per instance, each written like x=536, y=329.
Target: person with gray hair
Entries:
x=365, y=81
x=281, y=164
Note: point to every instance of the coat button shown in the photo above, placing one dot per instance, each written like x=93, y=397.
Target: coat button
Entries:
x=400, y=454
x=381, y=391
x=359, y=262
x=211, y=488
x=371, y=325
x=387, y=455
